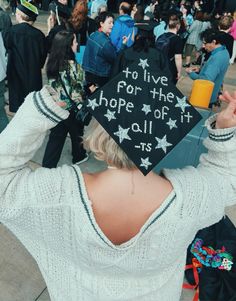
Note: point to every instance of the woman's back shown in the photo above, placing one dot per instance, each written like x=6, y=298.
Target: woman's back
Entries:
x=194, y=32
x=50, y=211
x=121, y=213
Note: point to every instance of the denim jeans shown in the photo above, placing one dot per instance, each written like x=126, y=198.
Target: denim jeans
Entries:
x=3, y=115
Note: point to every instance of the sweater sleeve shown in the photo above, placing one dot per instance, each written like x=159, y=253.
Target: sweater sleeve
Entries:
x=205, y=191
x=220, y=161
x=19, y=185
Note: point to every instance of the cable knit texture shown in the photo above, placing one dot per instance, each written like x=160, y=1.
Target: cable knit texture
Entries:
x=49, y=211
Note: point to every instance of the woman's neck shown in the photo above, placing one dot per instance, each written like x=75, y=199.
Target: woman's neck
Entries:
x=100, y=30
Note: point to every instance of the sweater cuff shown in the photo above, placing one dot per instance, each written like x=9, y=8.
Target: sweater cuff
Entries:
x=46, y=105
x=219, y=135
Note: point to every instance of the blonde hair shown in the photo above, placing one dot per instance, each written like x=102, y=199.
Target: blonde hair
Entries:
x=225, y=22
x=97, y=140
x=24, y=17
x=173, y=22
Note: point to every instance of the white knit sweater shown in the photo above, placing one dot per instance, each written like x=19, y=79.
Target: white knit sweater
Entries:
x=49, y=211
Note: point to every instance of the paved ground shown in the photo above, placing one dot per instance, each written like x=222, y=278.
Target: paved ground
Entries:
x=20, y=279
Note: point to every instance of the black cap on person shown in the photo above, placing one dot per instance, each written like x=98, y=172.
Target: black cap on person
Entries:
x=29, y=9
x=62, y=10
x=144, y=113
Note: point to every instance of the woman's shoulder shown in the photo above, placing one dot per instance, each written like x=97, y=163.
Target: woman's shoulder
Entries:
x=186, y=183
x=121, y=175
x=98, y=36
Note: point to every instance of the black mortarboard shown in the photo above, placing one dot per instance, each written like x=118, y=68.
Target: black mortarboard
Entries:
x=144, y=113
x=145, y=29
x=62, y=10
x=29, y=9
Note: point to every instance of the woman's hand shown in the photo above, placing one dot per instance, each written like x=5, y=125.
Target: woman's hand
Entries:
x=56, y=97
x=61, y=104
x=93, y=88
x=192, y=69
x=227, y=117
x=178, y=75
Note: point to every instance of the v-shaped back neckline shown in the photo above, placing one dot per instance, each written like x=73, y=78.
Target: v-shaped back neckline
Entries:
x=89, y=211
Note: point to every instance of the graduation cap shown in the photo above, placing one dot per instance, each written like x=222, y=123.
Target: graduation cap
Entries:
x=145, y=29
x=144, y=113
x=29, y=9
x=61, y=10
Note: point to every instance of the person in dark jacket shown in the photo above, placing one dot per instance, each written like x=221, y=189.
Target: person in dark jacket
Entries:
x=26, y=47
x=143, y=48
x=175, y=48
x=226, y=39
x=82, y=26
x=100, y=54
x=5, y=20
x=57, y=21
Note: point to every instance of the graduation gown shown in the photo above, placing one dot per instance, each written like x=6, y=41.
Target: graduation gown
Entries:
x=26, y=47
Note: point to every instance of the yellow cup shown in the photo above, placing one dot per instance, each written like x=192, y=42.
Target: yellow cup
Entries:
x=201, y=93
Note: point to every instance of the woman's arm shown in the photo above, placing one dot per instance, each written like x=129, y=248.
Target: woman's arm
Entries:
x=27, y=130
x=209, y=71
x=18, y=143
x=220, y=161
x=205, y=191
x=178, y=63
x=109, y=52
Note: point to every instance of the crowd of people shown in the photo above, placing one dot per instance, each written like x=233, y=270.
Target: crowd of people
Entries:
x=177, y=25
x=114, y=234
